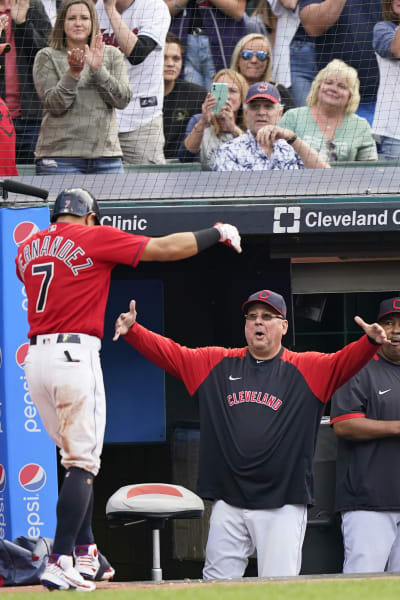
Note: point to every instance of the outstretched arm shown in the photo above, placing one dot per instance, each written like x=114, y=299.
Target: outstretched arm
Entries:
x=125, y=321
x=183, y=245
x=374, y=331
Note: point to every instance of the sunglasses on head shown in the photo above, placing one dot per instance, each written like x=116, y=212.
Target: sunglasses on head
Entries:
x=332, y=151
x=260, y=54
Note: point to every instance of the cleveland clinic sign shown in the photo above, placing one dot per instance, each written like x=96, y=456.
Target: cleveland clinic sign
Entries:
x=296, y=219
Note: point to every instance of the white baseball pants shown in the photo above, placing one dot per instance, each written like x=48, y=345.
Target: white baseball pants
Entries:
x=371, y=541
x=276, y=534
x=70, y=397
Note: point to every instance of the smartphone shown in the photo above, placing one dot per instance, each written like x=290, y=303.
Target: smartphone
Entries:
x=220, y=93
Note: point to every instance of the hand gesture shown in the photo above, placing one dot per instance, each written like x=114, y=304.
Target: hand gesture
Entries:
x=94, y=54
x=3, y=23
x=76, y=61
x=125, y=321
x=19, y=10
x=230, y=236
x=268, y=134
x=374, y=331
x=206, y=109
x=227, y=117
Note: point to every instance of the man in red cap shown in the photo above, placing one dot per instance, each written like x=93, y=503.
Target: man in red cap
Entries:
x=266, y=146
x=365, y=415
x=260, y=409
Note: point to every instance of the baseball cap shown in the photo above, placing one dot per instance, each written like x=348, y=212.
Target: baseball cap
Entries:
x=271, y=298
x=263, y=89
x=390, y=305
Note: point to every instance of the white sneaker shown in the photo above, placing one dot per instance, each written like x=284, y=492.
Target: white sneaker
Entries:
x=91, y=564
x=105, y=572
x=60, y=574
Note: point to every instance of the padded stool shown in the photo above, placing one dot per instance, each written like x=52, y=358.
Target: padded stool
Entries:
x=154, y=503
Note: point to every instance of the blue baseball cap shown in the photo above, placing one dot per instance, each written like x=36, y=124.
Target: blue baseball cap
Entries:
x=388, y=306
x=273, y=299
x=263, y=89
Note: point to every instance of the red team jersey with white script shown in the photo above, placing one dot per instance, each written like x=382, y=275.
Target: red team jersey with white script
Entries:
x=66, y=270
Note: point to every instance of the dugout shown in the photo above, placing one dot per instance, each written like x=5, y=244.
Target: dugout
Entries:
x=327, y=240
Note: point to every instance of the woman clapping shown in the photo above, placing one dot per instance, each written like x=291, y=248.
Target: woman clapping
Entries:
x=80, y=82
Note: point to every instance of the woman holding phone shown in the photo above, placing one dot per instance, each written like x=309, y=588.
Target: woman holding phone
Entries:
x=220, y=120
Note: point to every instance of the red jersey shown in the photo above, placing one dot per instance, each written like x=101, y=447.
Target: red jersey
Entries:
x=66, y=270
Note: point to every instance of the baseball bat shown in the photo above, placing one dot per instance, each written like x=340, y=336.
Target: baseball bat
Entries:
x=22, y=188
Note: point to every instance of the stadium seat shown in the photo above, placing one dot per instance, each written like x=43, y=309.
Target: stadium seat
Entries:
x=153, y=503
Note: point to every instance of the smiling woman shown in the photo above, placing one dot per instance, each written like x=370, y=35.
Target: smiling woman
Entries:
x=80, y=82
x=328, y=124
x=252, y=58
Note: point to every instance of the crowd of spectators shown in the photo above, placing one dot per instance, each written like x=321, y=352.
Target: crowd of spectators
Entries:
x=151, y=100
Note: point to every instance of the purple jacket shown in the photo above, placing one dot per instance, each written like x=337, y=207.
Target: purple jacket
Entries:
x=223, y=31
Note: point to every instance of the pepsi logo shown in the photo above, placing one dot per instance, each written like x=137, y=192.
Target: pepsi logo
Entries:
x=32, y=477
x=23, y=231
x=21, y=353
x=2, y=479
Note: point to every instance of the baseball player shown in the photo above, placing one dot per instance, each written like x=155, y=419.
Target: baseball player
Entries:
x=260, y=409
x=365, y=414
x=66, y=271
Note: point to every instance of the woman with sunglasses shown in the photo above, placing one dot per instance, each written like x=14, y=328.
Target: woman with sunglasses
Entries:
x=328, y=123
x=278, y=21
x=206, y=132
x=252, y=58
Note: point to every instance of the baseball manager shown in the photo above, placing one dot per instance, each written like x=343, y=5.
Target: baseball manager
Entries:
x=260, y=409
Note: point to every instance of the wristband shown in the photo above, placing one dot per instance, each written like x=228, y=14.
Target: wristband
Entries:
x=292, y=140
x=206, y=238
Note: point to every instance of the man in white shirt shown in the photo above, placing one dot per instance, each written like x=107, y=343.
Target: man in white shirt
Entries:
x=139, y=29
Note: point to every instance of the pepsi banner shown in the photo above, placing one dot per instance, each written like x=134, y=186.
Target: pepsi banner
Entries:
x=28, y=465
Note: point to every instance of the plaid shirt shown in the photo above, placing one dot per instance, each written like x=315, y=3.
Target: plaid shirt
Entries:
x=245, y=154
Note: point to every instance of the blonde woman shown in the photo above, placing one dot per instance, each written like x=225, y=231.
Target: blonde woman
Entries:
x=206, y=132
x=252, y=58
x=278, y=20
x=328, y=123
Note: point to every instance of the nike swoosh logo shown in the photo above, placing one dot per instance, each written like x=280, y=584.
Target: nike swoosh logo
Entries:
x=234, y=378
x=384, y=391
x=259, y=361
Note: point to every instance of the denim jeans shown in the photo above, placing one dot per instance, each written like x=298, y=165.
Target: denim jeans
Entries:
x=55, y=166
x=303, y=69
x=389, y=148
x=199, y=64
x=27, y=133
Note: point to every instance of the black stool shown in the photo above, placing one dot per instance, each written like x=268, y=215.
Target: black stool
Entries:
x=154, y=503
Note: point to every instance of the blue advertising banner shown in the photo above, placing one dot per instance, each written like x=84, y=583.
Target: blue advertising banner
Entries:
x=28, y=466
x=134, y=386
